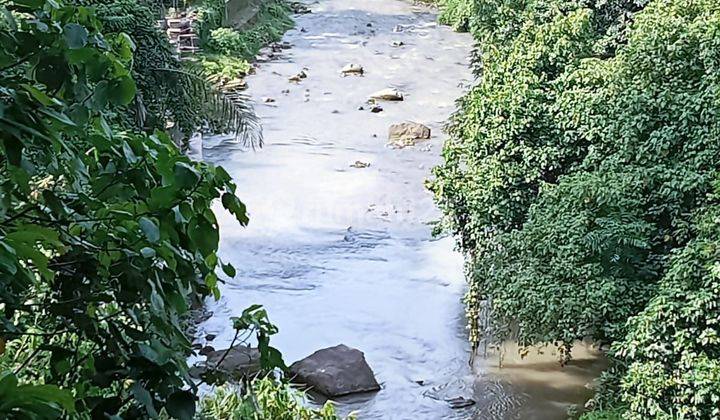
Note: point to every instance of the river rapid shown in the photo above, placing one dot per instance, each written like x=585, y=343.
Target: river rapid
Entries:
x=340, y=253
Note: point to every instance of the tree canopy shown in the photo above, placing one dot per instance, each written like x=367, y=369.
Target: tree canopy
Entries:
x=580, y=181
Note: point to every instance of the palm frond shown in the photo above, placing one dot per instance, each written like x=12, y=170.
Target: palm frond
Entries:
x=221, y=112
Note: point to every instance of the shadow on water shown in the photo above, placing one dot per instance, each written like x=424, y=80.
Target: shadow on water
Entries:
x=341, y=254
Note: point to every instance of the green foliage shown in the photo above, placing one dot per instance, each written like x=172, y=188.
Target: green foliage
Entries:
x=210, y=15
x=168, y=89
x=615, y=414
x=106, y=236
x=570, y=177
x=224, y=68
x=33, y=401
x=270, y=23
x=573, y=173
x=457, y=13
x=228, y=41
x=230, y=49
x=265, y=399
x=673, y=346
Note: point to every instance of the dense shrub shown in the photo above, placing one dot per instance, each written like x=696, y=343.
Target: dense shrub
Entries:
x=573, y=171
x=228, y=50
x=227, y=41
x=673, y=346
x=106, y=235
x=271, y=21
x=265, y=399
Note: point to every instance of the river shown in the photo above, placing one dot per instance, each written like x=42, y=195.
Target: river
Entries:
x=344, y=254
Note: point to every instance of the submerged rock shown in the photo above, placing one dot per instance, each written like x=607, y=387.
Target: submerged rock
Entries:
x=407, y=133
x=388, y=94
x=335, y=371
x=360, y=164
x=351, y=69
x=240, y=361
x=459, y=402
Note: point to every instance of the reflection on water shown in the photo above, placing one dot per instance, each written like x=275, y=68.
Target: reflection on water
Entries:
x=340, y=254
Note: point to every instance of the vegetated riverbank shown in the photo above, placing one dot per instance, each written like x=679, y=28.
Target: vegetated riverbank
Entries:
x=232, y=34
x=106, y=229
x=581, y=180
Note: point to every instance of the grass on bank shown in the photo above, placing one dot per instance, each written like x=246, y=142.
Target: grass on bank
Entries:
x=267, y=399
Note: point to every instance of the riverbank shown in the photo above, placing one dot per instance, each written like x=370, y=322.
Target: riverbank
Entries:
x=581, y=176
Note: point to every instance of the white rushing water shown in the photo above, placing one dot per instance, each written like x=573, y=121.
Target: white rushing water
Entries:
x=339, y=254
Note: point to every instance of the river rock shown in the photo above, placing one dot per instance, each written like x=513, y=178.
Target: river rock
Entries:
x=298, y=77
x=335, y=371
x=240, y=361
x=406, y=133
x=360, y=164
x=351, y=69
x=388, y=94
x=460, y=402
x=299, y=8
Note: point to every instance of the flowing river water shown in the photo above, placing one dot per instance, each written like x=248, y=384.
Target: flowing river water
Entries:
x=344, y=254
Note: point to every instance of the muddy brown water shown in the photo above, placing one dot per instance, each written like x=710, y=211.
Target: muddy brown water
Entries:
x=340, y=254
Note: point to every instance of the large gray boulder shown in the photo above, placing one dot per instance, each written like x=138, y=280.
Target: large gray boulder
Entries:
x=335, y=371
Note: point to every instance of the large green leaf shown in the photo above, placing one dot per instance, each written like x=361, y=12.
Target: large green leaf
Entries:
x=181, y=405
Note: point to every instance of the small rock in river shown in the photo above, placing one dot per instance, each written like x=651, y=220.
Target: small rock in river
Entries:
x=210, y=337
x=360, y=108
x=335, y=371
x=352, y=68
x=459, y=402
x=388, y=94
x=376, y=108
x=397, y=44
x=299, y=8
x=406, y=133
x=268, y=100
x=298, y=77
x=360, y=164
